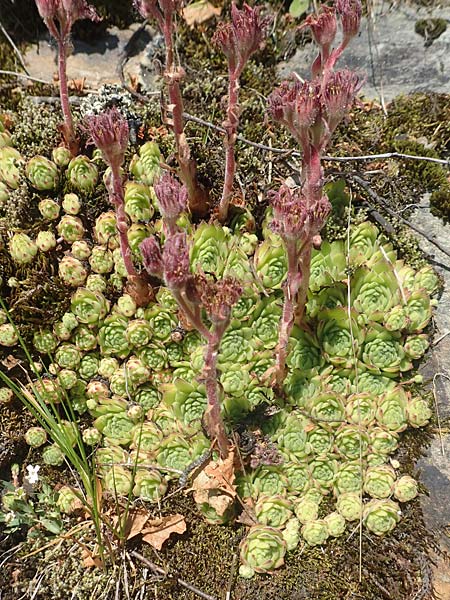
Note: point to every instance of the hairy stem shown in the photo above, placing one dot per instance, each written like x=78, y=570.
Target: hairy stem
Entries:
x=213, y=418
x=68, y=129
x=231, y=125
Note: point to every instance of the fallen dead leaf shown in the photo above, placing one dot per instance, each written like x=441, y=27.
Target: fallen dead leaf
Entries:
x=10, y=362
x=199, y=12
x=157, y=531
x=217, y=475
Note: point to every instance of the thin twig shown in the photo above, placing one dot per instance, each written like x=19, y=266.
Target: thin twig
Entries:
x=440, y=338
x=25, y=76
x=14, y=47
x=365, y=185
x=162, y=571
x=441, y=439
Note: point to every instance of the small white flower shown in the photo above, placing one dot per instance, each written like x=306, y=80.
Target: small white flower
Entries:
x=32, y=475
x=9, y=517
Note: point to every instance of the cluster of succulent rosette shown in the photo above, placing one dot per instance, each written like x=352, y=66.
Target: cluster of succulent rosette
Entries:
x=138, y=371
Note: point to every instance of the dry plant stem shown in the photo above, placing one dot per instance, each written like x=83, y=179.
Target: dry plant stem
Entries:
x=231, y=125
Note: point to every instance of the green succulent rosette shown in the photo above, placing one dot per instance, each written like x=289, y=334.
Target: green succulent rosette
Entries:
x=174, y=352
x=261, y=551
x=392, y=410
x=118, y=480
x=237, y=265
x=10, y=162
x=99, y=391
x=323, y=472
x=418, y=310
x=146, y=166
x=68, y=356
x=418, y=412
x=415, y=346
x=373, y=293
x=112, y=338
x=53, y=456
x=396, y=319
x=116, y=427
x=291, y=534
x=71, y=229
x=22, y=248
x=382, y=441
x=161, y=322
x=174, y=452
x=84, y=338
x=89, y=307
x=138, y=333
x=82, y=174
x=292, y=437
x=209, y=250
x=328, y=265
x=72, y=271
x=335, y=523
x=146, y=437
x=383, y=353
x=379, y=481
x=340, y=337
x=271, y=263
x=381, y=516
x=183, y=370
x=405, y=489
x=244, y=307
x=326, y=298
x=89, y=366
x=44, y=341
x=336, y=380
x=360, y=409
x=372, y=383
x=153, y=356
x=35, y=437
x=315, y=533
x=301, y=389
x=49, y=209
x=191, y=341
x=136, y=234
x=136, y=371
x=236, y=345
x=69, y=500
x=304, y=351
x=326, y=407
x=45, y=241
x=101, y=260
x=298, y=477
x=105, y=230
x=267, y=481
x=109, y=456
x=273, y=511
x=320, y=438
x=186, y=400
x=257, y=394
x=149, y=485
x=306, y=509
x=235, y=380
x=363, y=242
x=350, y=506
x=126, y=306
x=91, y=436
x=349, y=478
x=260, y=363
x=138, y=201
x=351, y=441
x=42, y=173
x=426, y=279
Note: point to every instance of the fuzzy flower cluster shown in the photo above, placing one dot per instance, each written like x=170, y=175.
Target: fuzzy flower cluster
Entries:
x=66, y=12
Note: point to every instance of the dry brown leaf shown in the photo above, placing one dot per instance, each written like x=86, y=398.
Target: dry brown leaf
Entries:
x=90, y=560
x=10, y=362
x=217, y=475
x=137, y=519
x=157, y=531
x=199, y=12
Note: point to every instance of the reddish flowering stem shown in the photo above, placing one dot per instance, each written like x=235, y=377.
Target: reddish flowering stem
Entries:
x=68, y=128
x=231, y=126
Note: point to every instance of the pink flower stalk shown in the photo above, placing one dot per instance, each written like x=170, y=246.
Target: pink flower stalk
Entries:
x=59, y=16
x=109, y=132
x=311, y=111
x=172, y=200
x=163, y=11
x=238, y=40
x=194, y=293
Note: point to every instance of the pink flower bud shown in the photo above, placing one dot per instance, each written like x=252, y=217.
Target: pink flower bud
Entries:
x=172, y=199
x=109, y=132
x=151, y=257
x=78, y=9
x=218, y=297
x=289, y=213
x=242, y=37
x=176, y=261
x=338, y=95
x=350, y=13
x=323, y=26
